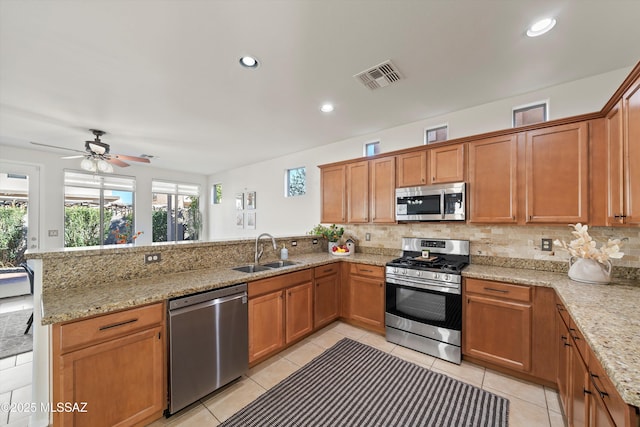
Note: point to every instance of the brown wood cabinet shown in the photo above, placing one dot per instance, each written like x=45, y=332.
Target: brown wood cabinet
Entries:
x=359, y=192
x=280, y=312
x=623, y=149
x=326, y=299
x=382, y=190
x=497, y=323
x=411, y=168
x=366, y=296
x=587, y=395
x=446, y=164
x=493, y=190
x=115, y=363
x=333, y=194
x=557, y=173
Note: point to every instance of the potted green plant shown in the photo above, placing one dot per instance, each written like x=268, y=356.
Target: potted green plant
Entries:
x=332, y=233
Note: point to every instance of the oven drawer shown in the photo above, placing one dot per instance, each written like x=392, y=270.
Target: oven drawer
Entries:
x=498, y=289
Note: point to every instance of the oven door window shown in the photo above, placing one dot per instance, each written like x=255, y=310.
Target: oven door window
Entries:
x=421, y=205
x=433, y=308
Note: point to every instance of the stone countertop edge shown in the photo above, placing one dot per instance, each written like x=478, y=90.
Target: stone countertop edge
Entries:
x=607, y=315
x=74, y=304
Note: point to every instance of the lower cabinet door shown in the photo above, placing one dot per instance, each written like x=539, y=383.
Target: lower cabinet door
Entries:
x=299, y=313
x=498, y=331
x=366, y=297
x=121, y=382
x=326, y=307
x=579, y=391
x=266, y=324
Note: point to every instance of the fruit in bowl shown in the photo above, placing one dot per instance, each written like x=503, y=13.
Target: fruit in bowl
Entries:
x=340, y=249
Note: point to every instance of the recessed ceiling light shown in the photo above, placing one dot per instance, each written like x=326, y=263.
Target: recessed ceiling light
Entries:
x=249, y=62
x=326, y=108
x=540, y=27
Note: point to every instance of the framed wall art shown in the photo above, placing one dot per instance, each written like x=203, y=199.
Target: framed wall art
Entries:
x=240, y=201
x=250, y=200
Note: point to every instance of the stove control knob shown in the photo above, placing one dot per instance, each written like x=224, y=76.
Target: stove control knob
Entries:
x=395, y=270
x=446, y=277
x=436, y=276
x=418, y=273
x=404, y=271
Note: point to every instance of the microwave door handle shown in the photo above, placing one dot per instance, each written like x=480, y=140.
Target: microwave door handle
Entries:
x=442, y=203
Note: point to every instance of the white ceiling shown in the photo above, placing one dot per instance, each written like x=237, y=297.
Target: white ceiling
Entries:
x=162, y=77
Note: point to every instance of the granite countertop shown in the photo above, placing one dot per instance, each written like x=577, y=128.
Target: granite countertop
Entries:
x=70, y=304
x=607, y=315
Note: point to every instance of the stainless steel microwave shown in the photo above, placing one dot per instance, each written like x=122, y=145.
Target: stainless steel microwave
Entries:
x=443, y=202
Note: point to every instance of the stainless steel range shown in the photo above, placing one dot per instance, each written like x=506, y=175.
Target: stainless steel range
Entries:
x=423, y=309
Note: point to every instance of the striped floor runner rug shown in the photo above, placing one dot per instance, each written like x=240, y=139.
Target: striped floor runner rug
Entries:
x=352, y=384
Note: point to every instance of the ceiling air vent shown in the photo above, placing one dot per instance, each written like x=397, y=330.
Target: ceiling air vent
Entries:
x=379, y=76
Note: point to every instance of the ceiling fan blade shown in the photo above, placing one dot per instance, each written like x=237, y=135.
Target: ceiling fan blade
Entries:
x=131, y=158
x=55, y=146
x=117, y=162
x=72, y=157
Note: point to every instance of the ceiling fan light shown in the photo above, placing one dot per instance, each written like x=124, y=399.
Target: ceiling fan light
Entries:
x=88, y=165
x=104, y=166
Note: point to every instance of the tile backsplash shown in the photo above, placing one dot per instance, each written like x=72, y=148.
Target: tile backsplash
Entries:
x=501, y=241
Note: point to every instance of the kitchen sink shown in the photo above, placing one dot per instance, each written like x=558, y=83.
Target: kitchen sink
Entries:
x=279, y=264
x=252, y=268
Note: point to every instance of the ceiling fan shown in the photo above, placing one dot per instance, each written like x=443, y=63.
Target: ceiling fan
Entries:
x=97, y=155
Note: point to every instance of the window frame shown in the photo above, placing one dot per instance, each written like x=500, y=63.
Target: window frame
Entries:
x=527, y=107
x=287, y=181
x=176, y=194
x=435, y=128
x=377, y=144
x=67, y=182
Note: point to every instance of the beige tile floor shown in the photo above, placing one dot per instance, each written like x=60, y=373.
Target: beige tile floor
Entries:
x=531, y=405
x=15, y=371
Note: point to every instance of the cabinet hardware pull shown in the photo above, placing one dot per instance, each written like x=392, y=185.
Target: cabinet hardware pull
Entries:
x=328, y=270
x=115, y=325
x=567, y=344
x=158, y=335
x=563, y=337
x=600, y=392
x=502, y=291
x=366, y=271
x=586, y=391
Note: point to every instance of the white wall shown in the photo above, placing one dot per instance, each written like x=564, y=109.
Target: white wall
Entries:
x=291, y=216
x=52, y=190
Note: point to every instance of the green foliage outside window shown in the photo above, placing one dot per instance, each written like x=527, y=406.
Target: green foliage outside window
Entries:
x=13, y=235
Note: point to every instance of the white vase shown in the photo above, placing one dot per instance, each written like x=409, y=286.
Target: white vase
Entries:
x=589, y=271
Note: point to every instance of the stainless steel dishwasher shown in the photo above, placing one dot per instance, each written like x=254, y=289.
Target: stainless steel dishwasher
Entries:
x=208, y=343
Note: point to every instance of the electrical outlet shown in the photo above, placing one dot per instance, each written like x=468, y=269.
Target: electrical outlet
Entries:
x=53, y=233
x=151, y=258
x=294, y=243
x=314, y=241
x=547, y=245
x=367, y=237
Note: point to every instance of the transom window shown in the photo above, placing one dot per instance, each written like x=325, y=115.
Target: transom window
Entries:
x=436, y=134
x=530, y=114
x=175, y=212
x=98, y=209
x=372, y=148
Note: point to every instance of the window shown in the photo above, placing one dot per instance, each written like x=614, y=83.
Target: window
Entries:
x=295, y=182
x=176, y=212
x=98, y=209
x=530, y=114
x=216, y=194
x=372, y=148
x=436, y=134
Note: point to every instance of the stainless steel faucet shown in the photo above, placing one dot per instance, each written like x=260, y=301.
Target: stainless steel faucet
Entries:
x=259, y=254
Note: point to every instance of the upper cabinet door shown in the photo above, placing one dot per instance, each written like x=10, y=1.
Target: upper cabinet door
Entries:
x=333, y=188
x=383, y=190
x=446, y=164
x=556, y=166
x=492, y=188
x=631, y=112
x=411, y=169
x=358, y=192
x=615, y=160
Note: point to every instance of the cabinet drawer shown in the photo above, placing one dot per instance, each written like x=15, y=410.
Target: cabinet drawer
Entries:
x=83, y=333
x=325, y=270
x=499, y=289
x=367, y=270
x=564, y=314
x=620, y=412
x=272, y=284
x=579, y=341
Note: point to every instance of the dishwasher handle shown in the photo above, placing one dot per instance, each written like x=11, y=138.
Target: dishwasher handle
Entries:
x=209, y=303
